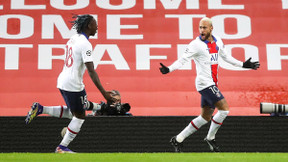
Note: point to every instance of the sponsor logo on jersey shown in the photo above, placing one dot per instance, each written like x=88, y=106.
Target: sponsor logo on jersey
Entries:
x=214, y=57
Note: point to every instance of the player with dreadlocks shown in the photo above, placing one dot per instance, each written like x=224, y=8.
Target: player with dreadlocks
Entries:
x=70, y=81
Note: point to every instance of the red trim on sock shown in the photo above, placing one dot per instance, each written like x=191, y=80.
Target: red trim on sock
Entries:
x=216, y=122
x=61, y=113
x=72, y=131
x=194, y=125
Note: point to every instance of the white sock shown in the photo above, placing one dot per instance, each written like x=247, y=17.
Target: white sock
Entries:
x=96, y=107
x=191, y=128
x=58, y=111
x=72, y=130
x=216, y=123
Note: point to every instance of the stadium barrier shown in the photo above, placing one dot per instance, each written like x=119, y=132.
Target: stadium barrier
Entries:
x=143, y=134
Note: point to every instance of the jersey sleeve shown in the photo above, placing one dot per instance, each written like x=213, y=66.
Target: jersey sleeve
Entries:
x=228, y=58
x=187, y=56
x=87, y=53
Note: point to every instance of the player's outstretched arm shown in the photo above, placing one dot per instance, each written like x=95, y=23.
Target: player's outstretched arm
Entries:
x=94, y=76
x=251, y=65
x=164, y=69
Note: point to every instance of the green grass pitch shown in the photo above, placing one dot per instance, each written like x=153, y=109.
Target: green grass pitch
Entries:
x=146, y=157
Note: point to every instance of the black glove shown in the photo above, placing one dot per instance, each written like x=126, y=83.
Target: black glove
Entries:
x=164, y=69
x=251, y=65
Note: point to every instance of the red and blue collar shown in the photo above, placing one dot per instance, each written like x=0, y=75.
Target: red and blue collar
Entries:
x=206, y=41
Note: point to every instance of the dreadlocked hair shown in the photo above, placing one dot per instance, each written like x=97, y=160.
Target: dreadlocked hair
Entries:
x=81, y=22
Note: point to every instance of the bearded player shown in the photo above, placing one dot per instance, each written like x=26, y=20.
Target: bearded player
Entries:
x=204, y=50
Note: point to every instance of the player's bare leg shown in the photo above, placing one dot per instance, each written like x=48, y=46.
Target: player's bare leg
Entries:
x=207, y=112
x=217, y=120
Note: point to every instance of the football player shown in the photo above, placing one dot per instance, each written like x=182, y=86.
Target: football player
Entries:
x=205, y=50
x=70, y=81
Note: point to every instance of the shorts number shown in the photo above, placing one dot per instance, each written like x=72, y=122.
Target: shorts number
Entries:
x=68, y=59
x=214, y=89
x=84, y=102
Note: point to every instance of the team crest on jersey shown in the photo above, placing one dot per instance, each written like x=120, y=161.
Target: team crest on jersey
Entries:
x=88, y=53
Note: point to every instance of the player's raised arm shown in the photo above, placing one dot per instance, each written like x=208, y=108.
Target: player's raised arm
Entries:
x=228, y=58
x=191, y=50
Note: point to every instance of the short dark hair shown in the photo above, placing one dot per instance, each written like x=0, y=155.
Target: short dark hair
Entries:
x=81, y=22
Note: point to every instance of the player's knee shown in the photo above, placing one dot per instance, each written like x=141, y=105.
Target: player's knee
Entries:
x=223, y=108
x=79, y=115
x=222, y=105
x=206, y=117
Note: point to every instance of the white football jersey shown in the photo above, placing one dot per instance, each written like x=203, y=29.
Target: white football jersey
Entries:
x=78, y=52
x=205, y=55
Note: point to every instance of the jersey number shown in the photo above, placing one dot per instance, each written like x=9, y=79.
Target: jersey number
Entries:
x=68, y=59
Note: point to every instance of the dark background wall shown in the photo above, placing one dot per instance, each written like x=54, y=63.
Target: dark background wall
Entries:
x=143, y=134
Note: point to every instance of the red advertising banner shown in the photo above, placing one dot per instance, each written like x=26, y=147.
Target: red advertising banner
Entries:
x=134, y=36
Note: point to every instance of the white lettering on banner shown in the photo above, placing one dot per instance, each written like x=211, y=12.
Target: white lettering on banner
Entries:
x=1, y=7
x=114, y=53
x=59, y=4
x=284, y=4
x=143, y=56
x=167, y=4
x=171, y=4
x=20, y=5
x=26, y=27
x=185, y=24
x=126, y=4
x=12, y=55
x=217, y=4
x=45, y=55
x=243, y=26
x=249, y=51
x=48, y=23
x=190, y=4
x=114, y=27
x=274, y=56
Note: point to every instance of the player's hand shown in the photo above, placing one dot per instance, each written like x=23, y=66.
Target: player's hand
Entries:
x=164, y=69
x=251, y=65
x=109, y=96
